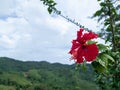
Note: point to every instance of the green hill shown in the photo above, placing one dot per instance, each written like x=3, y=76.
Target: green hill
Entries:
x=29, y=75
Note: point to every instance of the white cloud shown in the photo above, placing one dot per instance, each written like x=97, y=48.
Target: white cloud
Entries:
x=6, y=7
x=28, y=32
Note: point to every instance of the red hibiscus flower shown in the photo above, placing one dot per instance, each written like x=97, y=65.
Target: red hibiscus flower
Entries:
x=80, y=50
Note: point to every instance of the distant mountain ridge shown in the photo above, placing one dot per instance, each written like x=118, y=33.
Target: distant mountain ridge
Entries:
x=9, y=64
x=34, y=75
x=13, y=65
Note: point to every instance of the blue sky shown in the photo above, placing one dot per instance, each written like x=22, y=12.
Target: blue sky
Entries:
x=28, y=32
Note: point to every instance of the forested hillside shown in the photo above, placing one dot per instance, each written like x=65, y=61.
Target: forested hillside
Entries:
x=29, y=75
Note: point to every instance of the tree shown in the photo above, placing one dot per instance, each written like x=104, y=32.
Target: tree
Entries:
x=109, y=14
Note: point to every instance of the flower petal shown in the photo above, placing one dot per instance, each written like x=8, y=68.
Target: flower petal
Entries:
x=80, y=59
x=75, y=45
x=91, y=52
x=80, y=54
x=89, y=36
x=79, y=34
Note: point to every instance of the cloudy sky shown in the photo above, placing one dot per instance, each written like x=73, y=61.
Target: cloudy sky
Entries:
x=28, y=32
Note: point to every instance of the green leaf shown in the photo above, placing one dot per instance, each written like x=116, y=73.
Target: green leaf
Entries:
x=102, y=4
x=108, y=57
x=103, y=59
x=98, y=67
x=98, y=13
x=106, y=23
x=83, y=65
x=91, y=42
x=50, y=1
x=49, y=10
x=103, y=62
x=102, y=47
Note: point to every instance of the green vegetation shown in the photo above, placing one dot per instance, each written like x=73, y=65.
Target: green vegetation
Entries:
x=18, y=75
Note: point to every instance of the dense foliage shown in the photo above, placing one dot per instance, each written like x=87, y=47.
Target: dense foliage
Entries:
x=18, y=75
x=109, y=17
